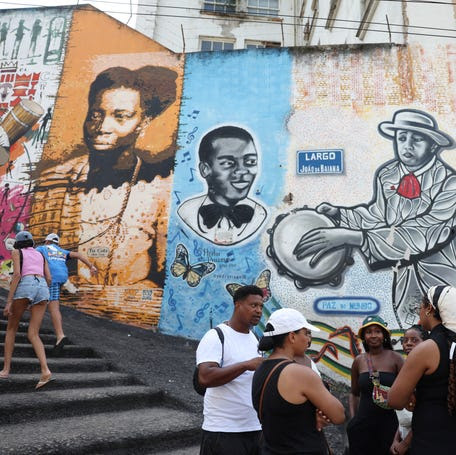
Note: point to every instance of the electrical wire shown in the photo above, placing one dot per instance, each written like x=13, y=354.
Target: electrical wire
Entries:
x=233, y=17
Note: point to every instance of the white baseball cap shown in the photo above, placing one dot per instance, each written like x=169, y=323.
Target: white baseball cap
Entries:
x=287, y=320
x=52, y=238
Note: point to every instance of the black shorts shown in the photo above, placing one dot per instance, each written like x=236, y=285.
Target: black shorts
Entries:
x=219, y=443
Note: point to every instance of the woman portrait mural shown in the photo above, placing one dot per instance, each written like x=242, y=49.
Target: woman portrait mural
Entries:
x=107, y=193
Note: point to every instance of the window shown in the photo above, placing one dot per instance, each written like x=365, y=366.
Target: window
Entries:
x=220, y=6
x=208, y=44
x=260, y=44
x=263, y=7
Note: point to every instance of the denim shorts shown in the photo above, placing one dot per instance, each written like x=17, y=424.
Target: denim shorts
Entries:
x=54, y=291
x=33, y=288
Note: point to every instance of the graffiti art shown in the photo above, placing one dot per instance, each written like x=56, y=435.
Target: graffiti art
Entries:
x=262, y=282
x=192, y=274
x=324, y=269
x=225, y=215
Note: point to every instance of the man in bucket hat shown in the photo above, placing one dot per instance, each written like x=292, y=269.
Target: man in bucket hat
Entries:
x=409, y=224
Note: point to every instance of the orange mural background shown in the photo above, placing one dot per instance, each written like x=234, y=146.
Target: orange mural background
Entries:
x=97, y=42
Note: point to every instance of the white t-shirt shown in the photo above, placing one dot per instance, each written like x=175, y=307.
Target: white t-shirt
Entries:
x=314, y=367
x=229, y=408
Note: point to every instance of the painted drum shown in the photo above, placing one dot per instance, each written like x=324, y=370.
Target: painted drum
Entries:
x=287, y=231
x=21, y=118
x=4, y=155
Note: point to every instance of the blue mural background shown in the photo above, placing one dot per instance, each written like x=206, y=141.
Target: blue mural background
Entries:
x=237, y=88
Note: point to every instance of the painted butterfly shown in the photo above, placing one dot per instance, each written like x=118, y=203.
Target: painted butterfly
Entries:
x=262, y=282
x=192, y=274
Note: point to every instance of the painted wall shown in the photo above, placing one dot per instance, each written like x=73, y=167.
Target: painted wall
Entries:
x=132, y=159
x=340, y=240
x=96, y=171
x=32, y=47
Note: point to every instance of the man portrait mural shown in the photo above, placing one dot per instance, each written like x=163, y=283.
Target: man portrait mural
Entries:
x=109, y=200
x=225, y=215
x=409, y=224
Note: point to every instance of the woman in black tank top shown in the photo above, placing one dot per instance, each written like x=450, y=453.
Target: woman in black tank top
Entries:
x=286, y=395
x=427, y=382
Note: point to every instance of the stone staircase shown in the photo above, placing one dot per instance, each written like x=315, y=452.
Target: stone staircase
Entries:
x=90, y=408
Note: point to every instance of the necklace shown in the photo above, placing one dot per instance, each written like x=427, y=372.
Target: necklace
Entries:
x=118, y=219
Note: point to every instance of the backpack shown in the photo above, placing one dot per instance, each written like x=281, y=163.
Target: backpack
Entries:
x=199, y=389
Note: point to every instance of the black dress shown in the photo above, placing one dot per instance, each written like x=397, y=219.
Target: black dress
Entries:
x=287, y=428
x=433, y=428
x=372, y=430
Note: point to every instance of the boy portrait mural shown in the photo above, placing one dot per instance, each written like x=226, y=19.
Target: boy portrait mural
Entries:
x=228, y=161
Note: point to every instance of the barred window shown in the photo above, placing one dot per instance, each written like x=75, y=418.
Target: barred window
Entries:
x=263, y=7
x=220, y=6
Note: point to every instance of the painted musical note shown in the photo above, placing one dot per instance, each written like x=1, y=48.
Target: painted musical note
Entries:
x=171, y=301
x=202, y=292
x=178, y=235
x=247, y=260
x=222, y=307
x=176, y=193
x=197, y=251
x=191, y=135
x=180, y=326
x=259, y=190
x=194, y=114
x=186, y=157
x=230, y=256
x=200, y=313
x=192, y=177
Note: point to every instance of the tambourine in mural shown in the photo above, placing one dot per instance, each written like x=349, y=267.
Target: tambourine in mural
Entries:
x=287, y=231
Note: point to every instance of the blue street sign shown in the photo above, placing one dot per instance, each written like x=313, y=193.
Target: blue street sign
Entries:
x=346, y=305
x=320, y=161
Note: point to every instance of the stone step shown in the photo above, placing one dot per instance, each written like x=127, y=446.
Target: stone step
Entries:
x=21, y=337
x=59, y=365
x=23, y=327
x=25, y=407
x=21, y=383
x=129, y=432
x=193, y=450
x=26, y=350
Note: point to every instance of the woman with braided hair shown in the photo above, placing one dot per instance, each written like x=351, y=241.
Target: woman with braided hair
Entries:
x=427, y=382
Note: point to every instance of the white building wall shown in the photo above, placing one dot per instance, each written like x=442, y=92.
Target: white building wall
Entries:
x=299, y=23
x=176, y=16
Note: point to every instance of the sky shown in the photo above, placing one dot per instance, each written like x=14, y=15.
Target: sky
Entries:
x=119, y=9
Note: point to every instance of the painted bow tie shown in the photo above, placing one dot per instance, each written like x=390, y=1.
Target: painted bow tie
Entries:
x=238, y=214
x=409, y=187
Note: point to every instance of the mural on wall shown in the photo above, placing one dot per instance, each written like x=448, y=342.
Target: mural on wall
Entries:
x=334, y=256
x=408, y=225
x=225, y=215
x=321, y=248
x=227, y=174
x=105, y=178
x=28, y=87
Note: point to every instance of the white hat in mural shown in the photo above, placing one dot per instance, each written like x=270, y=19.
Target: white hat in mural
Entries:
x=414, y=120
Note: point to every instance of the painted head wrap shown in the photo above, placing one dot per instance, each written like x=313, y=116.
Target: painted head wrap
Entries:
x=443, y=298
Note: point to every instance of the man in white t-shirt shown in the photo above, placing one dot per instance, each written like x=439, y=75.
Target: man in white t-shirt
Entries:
x=230, y=423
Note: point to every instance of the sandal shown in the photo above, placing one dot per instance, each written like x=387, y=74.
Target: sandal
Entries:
x=43, y=381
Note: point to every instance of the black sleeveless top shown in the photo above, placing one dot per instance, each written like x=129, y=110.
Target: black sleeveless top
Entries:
x=287, y=428
x=433, y=428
